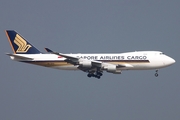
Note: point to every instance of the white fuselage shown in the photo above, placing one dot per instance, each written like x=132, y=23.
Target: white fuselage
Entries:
x=140, y=60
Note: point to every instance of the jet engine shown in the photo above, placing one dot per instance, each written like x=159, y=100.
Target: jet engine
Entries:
x=87, y=64
x=112, y=69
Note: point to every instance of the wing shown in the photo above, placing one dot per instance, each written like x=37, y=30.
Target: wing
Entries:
x=75, y=60
x=95, y=64
x=89, y=65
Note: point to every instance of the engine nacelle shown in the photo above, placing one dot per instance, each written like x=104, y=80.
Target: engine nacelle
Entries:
x=87, y=64
x=112, y=69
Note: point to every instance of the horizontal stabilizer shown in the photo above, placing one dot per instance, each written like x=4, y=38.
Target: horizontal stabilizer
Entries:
x=19, y=57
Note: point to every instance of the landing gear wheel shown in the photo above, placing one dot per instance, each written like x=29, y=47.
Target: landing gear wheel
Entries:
x=98, y=77
x=99, y=74
x=89, y=75
x=156, y=74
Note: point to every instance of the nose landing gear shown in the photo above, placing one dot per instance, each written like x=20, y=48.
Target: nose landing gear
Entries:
x=156, y=74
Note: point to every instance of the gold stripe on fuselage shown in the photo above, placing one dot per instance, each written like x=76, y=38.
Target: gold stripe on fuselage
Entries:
x=48, y=63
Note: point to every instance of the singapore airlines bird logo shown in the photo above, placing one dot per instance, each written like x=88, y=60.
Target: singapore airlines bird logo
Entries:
x=23, y=47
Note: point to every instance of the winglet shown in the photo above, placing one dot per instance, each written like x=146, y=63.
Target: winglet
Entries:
x=19, y=44
x=48, y=50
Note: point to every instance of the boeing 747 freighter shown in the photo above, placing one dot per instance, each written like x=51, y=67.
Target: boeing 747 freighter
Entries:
x=92, y=64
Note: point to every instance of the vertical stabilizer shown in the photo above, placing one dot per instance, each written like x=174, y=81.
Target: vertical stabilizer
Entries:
x=19, y=44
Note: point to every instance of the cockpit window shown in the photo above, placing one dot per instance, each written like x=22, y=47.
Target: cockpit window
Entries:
x=162, y=53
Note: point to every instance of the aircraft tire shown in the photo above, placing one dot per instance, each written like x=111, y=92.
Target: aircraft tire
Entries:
x=100, y=74
x=156, y=74
x=89, y=75
x=98, y=77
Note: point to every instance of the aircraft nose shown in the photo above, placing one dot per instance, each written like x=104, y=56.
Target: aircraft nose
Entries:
x=170, y=61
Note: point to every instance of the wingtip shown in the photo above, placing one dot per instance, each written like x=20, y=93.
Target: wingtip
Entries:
x=48, y=50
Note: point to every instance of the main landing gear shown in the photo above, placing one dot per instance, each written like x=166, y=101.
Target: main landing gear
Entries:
x=96, y=75
x=156, y=74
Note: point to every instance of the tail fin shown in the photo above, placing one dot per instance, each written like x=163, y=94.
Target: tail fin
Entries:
x=19, y=44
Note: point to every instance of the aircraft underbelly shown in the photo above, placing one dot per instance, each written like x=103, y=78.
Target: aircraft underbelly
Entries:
x=69, y=67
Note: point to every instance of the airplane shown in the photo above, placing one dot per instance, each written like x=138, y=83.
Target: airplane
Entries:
x=93, y=64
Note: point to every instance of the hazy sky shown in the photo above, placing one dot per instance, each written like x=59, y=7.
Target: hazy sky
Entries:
x=29, y=92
